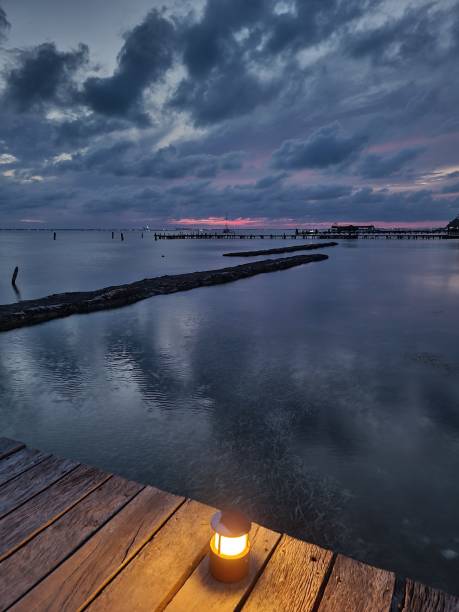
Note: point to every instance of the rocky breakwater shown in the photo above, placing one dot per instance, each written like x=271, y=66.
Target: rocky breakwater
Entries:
x=30, y=312
x=278, y=251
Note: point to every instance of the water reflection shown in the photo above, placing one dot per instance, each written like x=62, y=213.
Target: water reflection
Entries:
x=322, y=399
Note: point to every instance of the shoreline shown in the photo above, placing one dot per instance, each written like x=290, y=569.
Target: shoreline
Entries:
x=279, y=250
x=32, y=312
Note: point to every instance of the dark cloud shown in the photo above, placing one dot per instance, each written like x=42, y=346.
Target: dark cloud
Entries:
x=454, y=188
x=43, y=75
x=167, y=163
x=190, y=189
x=306, y=204
x=221, y=84
x=223, y=95
x=232, y=160
x=271, y=181
x=208, y=42
x=33, y=138
x=377, y=166
x=413, y=36
x=125, y=158
x=135, y=198
x=327, y=192
x=146, y=55
x=327, y=146
x=308, y=23
x=170, y=163
x=234, y=41
x=4, y=24
x=78, y=132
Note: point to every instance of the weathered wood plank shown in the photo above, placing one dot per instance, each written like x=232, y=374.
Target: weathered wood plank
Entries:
x=29, y=483
x=421, y=598
x=356, y=587
x=74, y=537
x=32, y=562
x=8, y=446
x=201, y=592
x=154, y=576
x=293, y=578
x=82, y=574
x=45, y=507
x=19, y=462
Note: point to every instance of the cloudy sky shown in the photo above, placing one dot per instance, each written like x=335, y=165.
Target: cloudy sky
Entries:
x=272, y=112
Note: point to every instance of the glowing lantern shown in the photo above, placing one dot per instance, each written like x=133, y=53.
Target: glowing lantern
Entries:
x=229, y=546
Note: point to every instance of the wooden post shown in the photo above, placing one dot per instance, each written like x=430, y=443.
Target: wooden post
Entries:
x=113, y=235
x=14, y=277
x=54, y=237
x=122, y=236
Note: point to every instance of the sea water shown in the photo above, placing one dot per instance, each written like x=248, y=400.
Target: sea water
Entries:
x=323, y=400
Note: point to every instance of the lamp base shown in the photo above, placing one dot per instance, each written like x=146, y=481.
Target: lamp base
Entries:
x=229, y=569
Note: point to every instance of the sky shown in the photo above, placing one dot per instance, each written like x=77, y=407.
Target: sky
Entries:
x=270, y=113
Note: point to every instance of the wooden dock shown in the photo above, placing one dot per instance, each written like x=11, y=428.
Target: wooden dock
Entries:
x=74, y=538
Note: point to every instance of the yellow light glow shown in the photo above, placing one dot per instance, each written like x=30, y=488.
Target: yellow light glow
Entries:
x=230, y=547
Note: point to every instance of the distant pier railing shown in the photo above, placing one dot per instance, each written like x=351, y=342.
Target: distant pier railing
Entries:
x=389, y=234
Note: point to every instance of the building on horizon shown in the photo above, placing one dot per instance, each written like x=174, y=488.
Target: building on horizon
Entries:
x=453, y=226
x=352, y=228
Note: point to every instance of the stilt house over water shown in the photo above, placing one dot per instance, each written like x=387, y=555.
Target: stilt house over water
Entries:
x=453, y=226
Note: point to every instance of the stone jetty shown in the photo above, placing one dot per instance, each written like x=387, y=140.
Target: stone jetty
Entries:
x=59, y=305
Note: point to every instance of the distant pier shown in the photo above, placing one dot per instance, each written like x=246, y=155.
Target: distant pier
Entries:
x=389, y=234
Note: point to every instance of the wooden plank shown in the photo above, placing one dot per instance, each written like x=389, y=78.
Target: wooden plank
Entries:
x=45, y=507
x=293, y=578
x=421, y=598
x=20, y=489
x=160, y=569
x=32, y=562
x=19, y=462
x=94, y=563
x=8, y=446
x=356, y=587
x=201, y=592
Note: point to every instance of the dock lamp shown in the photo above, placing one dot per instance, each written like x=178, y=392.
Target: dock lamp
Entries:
x=229, y=546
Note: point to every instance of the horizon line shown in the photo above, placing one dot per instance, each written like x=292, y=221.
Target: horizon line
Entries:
x=185, y=228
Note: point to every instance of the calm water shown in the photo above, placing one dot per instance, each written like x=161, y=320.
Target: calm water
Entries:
x=324, y=399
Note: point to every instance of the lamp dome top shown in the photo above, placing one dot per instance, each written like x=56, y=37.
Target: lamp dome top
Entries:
x=230, y=523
